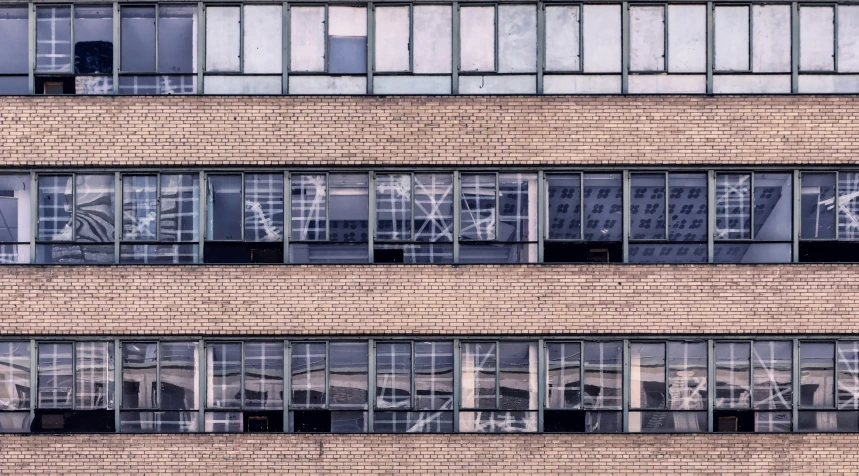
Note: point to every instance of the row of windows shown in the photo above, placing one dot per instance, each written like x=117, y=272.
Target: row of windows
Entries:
x=465, y=385
x=429, y=217
x=417, y=49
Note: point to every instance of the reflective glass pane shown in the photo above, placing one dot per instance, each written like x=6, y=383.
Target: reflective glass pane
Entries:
x=94, y=375
x=14, y=26
x=264, y=375
x=394, y=207
x=224, y=422
x=668, y=253
x=15, y=422
x=55, y=208
x=603, y=362
x=55, y=376
x=348, y=422
x=349, y=208
x=94, y=208
x=497, y=422
x=328, y=253
x=817, y=375
x=224, y=364
x=603, y=207
x=772, y=422
x=433, y=207
x=74, y=254
x=478, y=207
x=479, y=365
x=687, y=375
x=393, y=375
x=139, y=375
x=137, y=39
x=752, y=253
x=180, y=207
x=847, y=422
x=413, y=422
x=347, y=375
x=225, y=207
x=733, y=375
x=139, y=207
x=498, y=253
x=263, y=207
x=158, y=422
x=687, y=207
x=848, y=375
x=773, y=207
x=817, y=209
x=179, y=375
x=308, y=375
x=772, y=375
x=667, y=422
x=517, y=207
x=563, y=380
x=93, y=40
x=177, y=39
x=564, y=207
x=848, y=206
x=603, y=422
x=54, y=39
x=647, y=207
x=158, y=254
x=647, y=378
x=14, y=208
x=433, y=375
x=15, y=375
x=309, y=207
x=517, y=375
x=733, y=206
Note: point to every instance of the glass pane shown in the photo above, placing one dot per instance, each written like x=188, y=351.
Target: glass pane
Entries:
x=668, y=253
x=517, y=375
x=603, y=363
x=158, y=254
x=53, y=39
x=772, y=375
x=498, y=253
x=687, y=207
x=225, y=375
x=733, y=206
x=517, y=202
x=348, y=422
x=647, y=378
x=225, y=207
x=394, y=207
x=179, y=375
x=158, y=422
x=308, y=375
x=752, y=253
x=497, y=422
x=93, y=40
x=563, y=380
x=733, y=375
x=393, y=375
x=263, y=207
x=433, y=376
x=347, y=375
x=55, y=376
x=647, y=207
x=224, y=422
x=817, y=375
x=74, y=254
x=425, y=253
x=55, y=208
x=94, y=208
x=264, y=375
x=14, y=208
x=14, y=26
x=15, y=254
x=142, y=85
x=603, y=422
x=817, y=210
x=687, y=375
x=347, y=40
x=564, y=207
x=413, y=422
x=139, y=375
x=829, y=421
x=434, y=207
x=180, y=207
x=773, y=207
x=848, y=375
x=667, y=422
x=139, y=207
x=318, y=253
x=14, y=376
x=478, y=207
x=848, y=206
x=309, y=207
x=478, y=375
x=349, y=208
x=177, y=39
x=138, y=39
x=772, y=422
x=94, y=375
x=14, y=422
x=603, y=208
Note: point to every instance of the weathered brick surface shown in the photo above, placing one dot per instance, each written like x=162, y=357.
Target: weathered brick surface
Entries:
x=299, y=131
x=390, y=299
x=432, y=454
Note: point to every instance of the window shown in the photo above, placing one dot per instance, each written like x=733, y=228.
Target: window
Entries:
x=414, y=218
x=76, y=219
x=14, y=219
x=330, y=39
x=682, y=237
x=563, y=38
x=498, y=222
x=584, y=218
x=14, y=386
x=753, y=386
x=75, y=388
x=159, y=387
x=414, y=387
x=499, y=387
x=14, y=36
x=249, y=230
x=753, y=218
x=590, y=408
x=512, y=28
x=753, y=38
x=330, y=387
x=413, y=39
x=245, y=387
x=160, y=218
x=829, y=217
x=817, y=38
x=172, y=43
x=827, y=390
x=330, y=218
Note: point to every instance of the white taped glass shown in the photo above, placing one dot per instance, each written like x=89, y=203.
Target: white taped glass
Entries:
x=647, y=38
x=601, y=32
x=563, y=24
x=478, y=205
x=347, y=375
x=732, y=38
x=309, y=207
x=847, y=359
x=817, y=207
x=603, y=372
x=180, y=207
x=517, y=39
x=307, y=39
x=733, y=206
x=53, y=39
x=224, y=379
x=139, y=207
x=848, y=38
x=687, y=38
x=94, y=375
x=392, y=38
x=517, y=205
x=223, y=27
x=432, y=39
x=55, y=376
x=308, y=362
x=773, y=365
x=264, y=207
x=394, y=207
x=687, y=375
x=262, y=41
x=816, y=38
x=771, y=39
x=479, y=366
x=733, y=375
x=55, y=208
x=477, y=38
x=264, y=375
x=393, y=375
x=433, y=207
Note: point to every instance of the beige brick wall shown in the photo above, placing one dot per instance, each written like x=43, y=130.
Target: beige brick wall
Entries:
x=391, y=299
x=432, y=454
x=298, y=131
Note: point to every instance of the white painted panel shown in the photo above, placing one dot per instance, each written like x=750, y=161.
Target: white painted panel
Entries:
x=667, y=84
x=223, y=28
x=347, y=21
x=601, y=38
x=477, y=38
x=816, y=38
x=508, y=84
x=581, y=84
x=562, y=38
x=848, y=38
x=771, y=38
x=732, y=38
x=751, y=84
x=647, y=38
x=517, y=39
x=432, y=42
x=263, y=39
x=411, y=84
x=687, y=38
x=392, y=38
x=828, y=83
x=327, y=85
x=307, y=38
x=242, y=85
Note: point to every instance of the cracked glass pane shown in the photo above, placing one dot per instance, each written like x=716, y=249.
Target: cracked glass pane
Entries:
x=55, y=376
x=517, y=375
x=603, y=372
x=393, y=375
x=848, y=375
x=564, y=207
x=733, y=206
x=478, y=207
x=394, y=207
x=517, y=205
x=180, y=207
x=347, y=375
x=772, y=375
x=179, y=375
x=733, y=375
x=349, y=208
x=817, y=375
x=94, y=375
x=94, y=208
x=479, y=365
x=309, y=207
x=817, y=208
x=308, y=375
x=14, y=376
x=433, y=375
x=225, y=375
x=263, y=207
x=603, y=208
x=55, y=208
x=225, y=208
x=563, y=377
x=647, y=379
x=264, y=375
x=139, y=207
x=647, y=207
x=687, y=375
x=434, y=207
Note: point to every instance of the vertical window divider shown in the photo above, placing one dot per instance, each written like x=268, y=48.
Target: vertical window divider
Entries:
x=541, y=60
x=287, y=214
x=495, y=70
x=326, y=49
x=117, y=37
x=454, y=89
x=328, y=189
x=665, y=174
x=796, y=187
x=497, y=370
x=835, y=201
x=201, y=235
x=412, y=405
x=201, y=45
x=625, y=206
x=795, y=381
x=411, y=45
x=287, y=383
x=711, y=383
x=711, y=214
x=412, y=233
x=541, y=213
x=158, y=206
x=625, y=379
x=371, y=65
x=497, y=189
x=201, y=384
x=34, y=215
x=74, y=375
x=31, y=50
x=157, y=404
x=157, y=35
x=327, y=373
x=665, y=21
x=74, y=180
x=624, y=67
x=667, y=375
x=794, y=46
x=752, y=207
x=242, y=205
x=72, y=37
x=371, y=385
x=711, y=53
x=835, y=48
x=118, y=190
x=34, y=380
x=242, y=38
x=371, y=221
x=582, y=375
x=582, y=206
x=541, y=382
x=285, y=58
x=457, y=214
x=242, y=377
x=457, y=382
x=750, y=9
x=117, y=384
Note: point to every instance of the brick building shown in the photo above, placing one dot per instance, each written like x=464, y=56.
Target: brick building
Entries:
x=429, y=237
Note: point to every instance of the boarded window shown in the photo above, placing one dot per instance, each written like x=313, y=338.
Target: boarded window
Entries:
x=687, y=38
x=223, y=28
x=817, y=38
x=392, y=39
x=347, y=40
x=563, y=25
x=307, y=39
x=771, y=38
x=517, y=39
x=432, y=38
x=477, y=38
x=732, y=38
x=602, y=38
x=647, y=42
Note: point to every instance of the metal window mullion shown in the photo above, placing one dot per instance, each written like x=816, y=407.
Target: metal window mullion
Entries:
x=837, y=206
x=794, y=47
x=795, y=386
x=325, y=46
x=74, y=181
x=117, y=37
x=31, y=50
x=711, y=382
x=751, y=68
x=204, y=205
x=457, y=382
x=34, y=215
x=626, y=382
x=541, y=214
x=835, y=48
x=454, y=89
x=411, y=38
x=242, y=202
x=457, y=214
x=582, y=207
x=72, y=37
x=665, y=214
x=412, y=385
x=371, y=64
x=541, y=382
x=711, y=53
x=157, y=21
x=665, y=43
x=582, y=375
x=242, y=378
x=201, y=384
x=711, y=215
x=541, y=55
x=626, y=218
x=371, y=219
x=285, y=58
x=667, y=374
x=287, y=383
x=242, y=39
x=795, y=221
x=287, y=215
x=371, y=385
x=34, y=382
x=117, y=384
x=74, y=375
x=497, y=204
x=328, y=197
x=752, y=206
x=752, y=375
x=157, y=404
x=327, y=372
x=117, y=214
x=496, y=39
x=412, y=193
x=201, y=45
x=497, y=375
x=624, y=77
x=158, y=206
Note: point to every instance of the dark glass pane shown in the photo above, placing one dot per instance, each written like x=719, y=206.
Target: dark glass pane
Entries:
x=93, y=40
x=14, y=85
x=773, y=207
x=817, y=210
x=668, y=253
x=847, y=422
x=498, y=253
x=347, y=54
x=177, y=35
x=603, y=207
x=647, y=207
x=347, y=375
x=687, y=207
x=349, y=208
x=137, y=39
x=74, y=254
x=564, y=207
x=348, y=422
x=667, y=422
x=648, y=376
x=426, y=253
x=225, y=207
x=733, y=206
x=817, y=375
x=733, y=375
x=179, y=375
x=752, y=253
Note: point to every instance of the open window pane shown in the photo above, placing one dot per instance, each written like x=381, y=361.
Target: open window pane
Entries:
x=224, y=389
x=94, y=208
x=177, y=39
x=137, y=39
x=647, y=378
x=179, y=375
x=433, y=376
x=817, y=375
x=687, y=375
x=53, y=39
x=139, y=207
x=647, y=207
x=393, y=375
x=55, y=376
x=347, y=375
x=394, y=207
x=478, y=207
x=264, y=375
x=94, y=40
x=479, y=365
x=733, y=375
x=94, y=375
x=817, y=209
x=772, y=375
x=225, y=207
x=733, y=206
x=349, y=208
x=308, y=363
x=264, y=207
